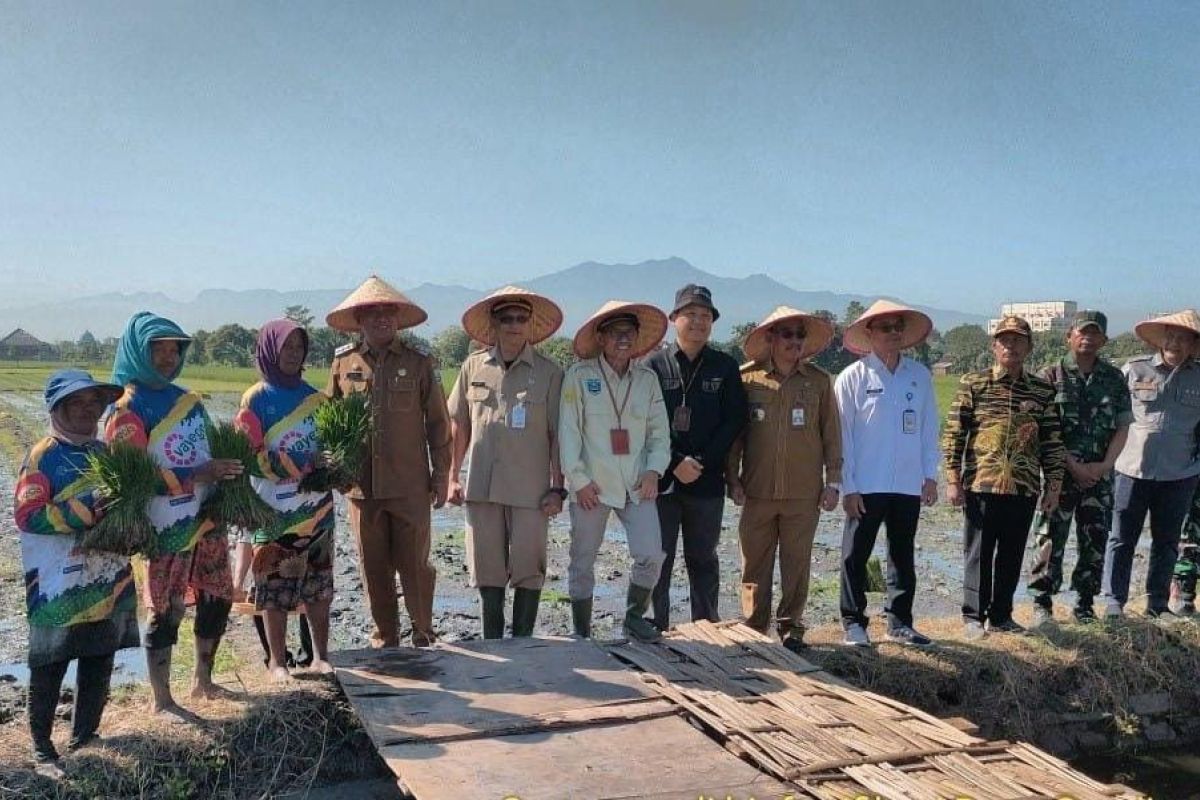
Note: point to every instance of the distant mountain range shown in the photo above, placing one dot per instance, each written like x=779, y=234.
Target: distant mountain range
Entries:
x=579, y=290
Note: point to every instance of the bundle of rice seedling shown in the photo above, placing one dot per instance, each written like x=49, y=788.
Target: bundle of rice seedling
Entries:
x=126, y=478
x=234, y=501
x=343, y=428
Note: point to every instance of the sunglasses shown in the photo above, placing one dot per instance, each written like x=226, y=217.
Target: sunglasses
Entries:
x=619, y=332
x=889, y=327
x=787, y=334
x=513, y=319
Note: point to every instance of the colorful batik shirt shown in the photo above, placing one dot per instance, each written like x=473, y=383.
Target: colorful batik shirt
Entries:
x=279, y=423
x=169, y=423
x=64, y=584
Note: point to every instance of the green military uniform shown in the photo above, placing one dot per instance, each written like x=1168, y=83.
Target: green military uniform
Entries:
x=1091, y=408
x=1187, y=567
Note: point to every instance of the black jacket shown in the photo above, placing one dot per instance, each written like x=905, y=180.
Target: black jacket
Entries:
x=718, y=413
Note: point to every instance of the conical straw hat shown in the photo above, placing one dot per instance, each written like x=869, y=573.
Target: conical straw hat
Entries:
x=917, y=326
x=374, y=291
x=544, y=319
x=1152, y=331
x=819, y=333
x=652, y=326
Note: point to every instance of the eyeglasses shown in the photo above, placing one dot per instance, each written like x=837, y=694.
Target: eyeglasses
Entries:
x=513, y=319
x=787, y=334
x=619, y=332
x=889, y=327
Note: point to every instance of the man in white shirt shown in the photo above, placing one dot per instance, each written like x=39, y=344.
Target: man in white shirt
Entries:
x=890, y=423
x=614, y=445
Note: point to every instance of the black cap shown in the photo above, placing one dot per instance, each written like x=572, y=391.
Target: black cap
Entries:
x=694, y=295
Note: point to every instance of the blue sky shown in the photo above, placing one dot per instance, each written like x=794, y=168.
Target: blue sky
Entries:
x=957, y=154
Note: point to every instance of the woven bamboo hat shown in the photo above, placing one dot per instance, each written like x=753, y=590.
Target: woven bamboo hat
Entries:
x=544, y=316
x=1152, y=331
x=818, y=333
x=374, y=291
x=917, y=326
x=652, y=327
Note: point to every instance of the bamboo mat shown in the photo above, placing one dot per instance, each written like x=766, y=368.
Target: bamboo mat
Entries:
x=830, y=740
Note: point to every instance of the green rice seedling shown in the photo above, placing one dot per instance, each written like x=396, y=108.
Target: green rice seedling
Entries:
x=234, y=501
x=343, y=428
x=126, y=479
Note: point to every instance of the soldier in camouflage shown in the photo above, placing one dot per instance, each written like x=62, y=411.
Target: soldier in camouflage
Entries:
x=1094, y=408
x=1188, y=566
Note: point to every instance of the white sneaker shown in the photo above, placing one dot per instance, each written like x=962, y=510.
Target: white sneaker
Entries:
x=856, y=636
x=1113, y=610
x=973, y=630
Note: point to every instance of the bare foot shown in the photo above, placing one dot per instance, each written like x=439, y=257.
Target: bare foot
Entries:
x=321, y=667
x=280, y=675
x=174, y=715
x=211, y=691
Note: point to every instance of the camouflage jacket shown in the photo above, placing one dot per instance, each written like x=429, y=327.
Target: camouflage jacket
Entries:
x=1091, y=409
x=1002, y=435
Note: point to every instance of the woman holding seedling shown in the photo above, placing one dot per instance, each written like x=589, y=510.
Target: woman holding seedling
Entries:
x=293, y=559
x=191, y=554
x=81, y=603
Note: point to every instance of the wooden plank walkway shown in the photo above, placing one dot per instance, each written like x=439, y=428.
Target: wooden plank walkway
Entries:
x=712, y=711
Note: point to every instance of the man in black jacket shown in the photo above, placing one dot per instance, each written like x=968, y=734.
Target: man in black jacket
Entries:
x=706, y=406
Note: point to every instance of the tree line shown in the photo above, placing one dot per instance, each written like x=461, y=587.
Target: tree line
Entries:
x=964, y=348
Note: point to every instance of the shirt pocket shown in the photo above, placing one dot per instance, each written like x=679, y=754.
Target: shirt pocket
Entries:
x=760, y=403
x=801, y=415
x=1190, y=397
x=402, y=393
x=533, y=398
x=1145, y=394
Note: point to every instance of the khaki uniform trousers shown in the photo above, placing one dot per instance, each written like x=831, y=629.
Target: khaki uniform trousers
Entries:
x=393, y=537
x=789, y=526
x=506, y=544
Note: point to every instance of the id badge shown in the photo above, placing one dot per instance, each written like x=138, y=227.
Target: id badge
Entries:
x=681, y=422
x=517, y=417
x=909, y=424
x=797, y=416
x=619, y=439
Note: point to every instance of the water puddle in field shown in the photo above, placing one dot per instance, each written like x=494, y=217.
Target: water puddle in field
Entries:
x=129, y=667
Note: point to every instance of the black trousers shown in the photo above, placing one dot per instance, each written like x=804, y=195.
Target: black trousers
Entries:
x=898, y=513
x=699, y=518
x=994, y=535
x=92, y=677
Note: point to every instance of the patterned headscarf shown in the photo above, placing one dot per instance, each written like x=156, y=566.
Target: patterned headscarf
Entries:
x=133, y=362
x=266, y=354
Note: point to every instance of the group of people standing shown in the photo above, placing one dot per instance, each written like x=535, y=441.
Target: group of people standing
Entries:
x=658, y=435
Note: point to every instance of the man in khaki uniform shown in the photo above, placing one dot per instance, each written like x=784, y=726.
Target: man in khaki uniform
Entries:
x=504, y=412
x=785, y=467
x=389, y=506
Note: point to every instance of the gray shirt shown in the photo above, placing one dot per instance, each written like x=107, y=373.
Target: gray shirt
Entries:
x=1162, y=443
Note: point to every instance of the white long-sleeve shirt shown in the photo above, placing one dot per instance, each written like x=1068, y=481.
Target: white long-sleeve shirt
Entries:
x=889, y=427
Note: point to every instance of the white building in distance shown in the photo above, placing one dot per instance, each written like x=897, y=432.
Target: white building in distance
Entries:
x=1042, y=315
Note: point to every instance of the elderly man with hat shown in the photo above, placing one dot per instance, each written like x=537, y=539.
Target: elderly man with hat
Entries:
x=504, y=413
x=615, y=445
x=890, y=454
x=1003, y=448
x=706, y=405
x=1157, y=471
x=785, y=467
x=1093, y=407
x=407, y=468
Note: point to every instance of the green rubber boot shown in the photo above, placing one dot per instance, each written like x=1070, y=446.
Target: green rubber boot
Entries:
x=636, y=624
x=492, y=600
x=581, y=617
x=525, y=610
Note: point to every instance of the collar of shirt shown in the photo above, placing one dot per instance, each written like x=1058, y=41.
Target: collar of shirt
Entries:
x=769, y=367
x=876, y=363
x=395, y=347
x=677, y=353
x=1160, y=363
x=612, y=373
x=526, y=355
x=999, y=374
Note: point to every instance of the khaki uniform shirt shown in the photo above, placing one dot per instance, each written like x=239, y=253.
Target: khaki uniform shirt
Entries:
x=1162, y=444
x=587, y=418
x=792, y=445
x=512, y=416
x=410, y=429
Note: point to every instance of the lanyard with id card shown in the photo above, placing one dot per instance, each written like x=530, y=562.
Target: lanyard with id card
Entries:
x=908, y=420
x=618, y=437
x=681, y=420
x=516, y=416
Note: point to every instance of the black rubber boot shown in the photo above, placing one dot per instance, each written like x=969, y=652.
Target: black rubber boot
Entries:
x=491, y=598
x=525, y=611
x=581, y=617
x=45, y=684
x=636, y=624
x=92, y=677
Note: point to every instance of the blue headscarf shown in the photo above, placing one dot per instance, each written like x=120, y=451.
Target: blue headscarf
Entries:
x=133, y=362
